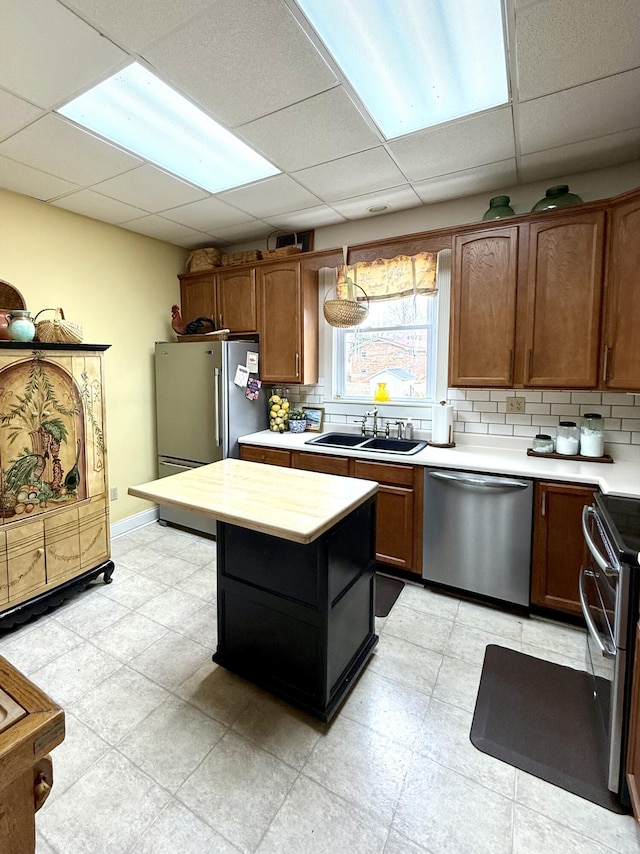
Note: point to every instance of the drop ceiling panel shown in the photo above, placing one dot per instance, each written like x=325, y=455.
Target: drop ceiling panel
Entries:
x=271, y=196
x=321, y=128
x=480, y=139
x=47, y=52
x=588, y=111
x=256, y=230
x=207, y=214
x=162, y=229
x=368, y=171
x=54, y=145
x=31, y=182
x=397, y=198
x=135, y=25
x=609, y=150
x=307, y=219
x=15, y=114
x=469, y=182
x=563, y=43
x=91, y=204
x=150, y=189
x=245, y=59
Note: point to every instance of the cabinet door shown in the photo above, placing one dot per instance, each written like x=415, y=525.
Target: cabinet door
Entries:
x=26, y=559
x=62, y=545
x=483, y=308
x=94, y=532
x=564, y=295
x=198, y=295
x=621, y=370
x=559, y=549
x=394, y=526
x=633, y=754
x=269, y=456
x=236, y=300
x=280, y=322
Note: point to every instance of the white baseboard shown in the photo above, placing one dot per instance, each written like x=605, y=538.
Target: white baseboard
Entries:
x=132, y=522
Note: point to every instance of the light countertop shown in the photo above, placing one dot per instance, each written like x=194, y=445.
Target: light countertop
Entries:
x=288, y=503
x=486, y=454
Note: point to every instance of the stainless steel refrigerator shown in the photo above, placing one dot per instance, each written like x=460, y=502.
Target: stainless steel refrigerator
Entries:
x=201, y=412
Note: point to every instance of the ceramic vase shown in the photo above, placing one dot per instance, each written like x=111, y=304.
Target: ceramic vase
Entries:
x=21, y=326
x=297, y=426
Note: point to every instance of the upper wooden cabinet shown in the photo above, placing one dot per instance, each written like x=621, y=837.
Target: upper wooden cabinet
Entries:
x=198, y=295
x=288, y=323
x=621, y=342
x=526, y=303
x=564, y=294
x=483, y=308
x=237, y=300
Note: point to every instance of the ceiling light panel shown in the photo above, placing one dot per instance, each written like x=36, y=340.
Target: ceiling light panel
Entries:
x=139, y=112
x=416, y=63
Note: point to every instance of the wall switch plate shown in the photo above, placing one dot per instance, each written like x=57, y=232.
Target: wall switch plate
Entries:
x=515, y=405
x=113, y=493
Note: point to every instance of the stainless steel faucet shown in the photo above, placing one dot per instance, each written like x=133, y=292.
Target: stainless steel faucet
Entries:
x=372, y=414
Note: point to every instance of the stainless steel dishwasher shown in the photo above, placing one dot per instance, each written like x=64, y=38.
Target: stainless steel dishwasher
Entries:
x=477, y=533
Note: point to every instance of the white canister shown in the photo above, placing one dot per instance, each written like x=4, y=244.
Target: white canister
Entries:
x=592, y=435
x=568, y=438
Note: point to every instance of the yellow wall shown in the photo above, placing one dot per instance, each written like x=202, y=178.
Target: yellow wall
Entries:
x=120, y=287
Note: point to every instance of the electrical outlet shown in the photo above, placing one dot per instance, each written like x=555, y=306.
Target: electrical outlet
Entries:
x=515, y=405
x=113, y=493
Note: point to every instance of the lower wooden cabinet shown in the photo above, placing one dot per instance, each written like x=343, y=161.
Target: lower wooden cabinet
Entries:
x=399, y=499
x=633, y=753
x=559, y=549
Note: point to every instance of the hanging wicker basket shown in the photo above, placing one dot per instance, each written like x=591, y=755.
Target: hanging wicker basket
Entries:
x=58, y=330
x=344, y=313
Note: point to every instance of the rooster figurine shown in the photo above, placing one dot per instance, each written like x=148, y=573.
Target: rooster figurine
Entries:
x=199, y=326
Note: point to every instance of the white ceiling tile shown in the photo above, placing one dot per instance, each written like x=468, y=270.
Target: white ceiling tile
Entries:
x=135, y=25
x=321, y=128
x=269, y=197
x=150, y=189
x=350, y=176
x=256, y=230
x=608, y=150
x=162, y=229
x=396, y=199
x=563, y=43
x=47, y=52
x=207, y=214
x=475, y=141
x=585, y=112
x=306, y=219
x=56, y=146
x=244, y=59
x=94, y=205
x=468, y=182
x=31, y=182
x=15, y=114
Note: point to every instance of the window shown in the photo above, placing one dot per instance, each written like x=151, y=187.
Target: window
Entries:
x=402, y=342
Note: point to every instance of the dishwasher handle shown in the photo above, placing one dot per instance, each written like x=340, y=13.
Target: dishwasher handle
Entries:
x=481, y=481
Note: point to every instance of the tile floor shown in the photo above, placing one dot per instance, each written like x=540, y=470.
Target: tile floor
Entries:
x=166, y=752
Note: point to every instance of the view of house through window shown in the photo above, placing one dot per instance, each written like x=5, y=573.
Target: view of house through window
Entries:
x=396, y=344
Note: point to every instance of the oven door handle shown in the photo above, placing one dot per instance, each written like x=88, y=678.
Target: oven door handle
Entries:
x=606, y=567
x=607, y=650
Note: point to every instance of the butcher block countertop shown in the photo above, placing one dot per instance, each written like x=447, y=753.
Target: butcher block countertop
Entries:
x=292, y=504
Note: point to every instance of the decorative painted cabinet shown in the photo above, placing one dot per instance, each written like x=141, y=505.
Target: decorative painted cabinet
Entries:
x=54, y=512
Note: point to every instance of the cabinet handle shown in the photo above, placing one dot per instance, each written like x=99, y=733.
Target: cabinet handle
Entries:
x=528, y=369
x=40, y=552
x=220, y=324
x=605, y=368
x=297, y=365
x=510, y=368
x=543, y=510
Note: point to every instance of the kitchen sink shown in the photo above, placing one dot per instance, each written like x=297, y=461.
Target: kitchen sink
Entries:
x=381, y=444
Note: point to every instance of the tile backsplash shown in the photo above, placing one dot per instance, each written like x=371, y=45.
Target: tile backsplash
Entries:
x=483, y=411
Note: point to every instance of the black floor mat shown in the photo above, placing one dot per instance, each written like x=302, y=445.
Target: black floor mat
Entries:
x=542, y=718
x=387, y=591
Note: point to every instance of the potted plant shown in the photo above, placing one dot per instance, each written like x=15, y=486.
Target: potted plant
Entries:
x=297, y=420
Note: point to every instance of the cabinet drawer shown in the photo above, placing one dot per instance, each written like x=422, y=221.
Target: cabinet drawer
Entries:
x=384, y=472
x=94, y=532
x=25, y=559
x=62, y=545
x=270, y=456
x=321, y=463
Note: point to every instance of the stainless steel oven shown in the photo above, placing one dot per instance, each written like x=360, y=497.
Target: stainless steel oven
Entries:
x=609, y=586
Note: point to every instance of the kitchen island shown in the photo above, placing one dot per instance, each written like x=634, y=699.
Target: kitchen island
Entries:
x=295, y=568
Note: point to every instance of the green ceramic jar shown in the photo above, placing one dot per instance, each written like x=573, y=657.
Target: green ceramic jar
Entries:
x=557, y=197
x=499, y=207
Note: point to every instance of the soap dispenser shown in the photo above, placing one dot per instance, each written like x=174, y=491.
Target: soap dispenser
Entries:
x=408, y=429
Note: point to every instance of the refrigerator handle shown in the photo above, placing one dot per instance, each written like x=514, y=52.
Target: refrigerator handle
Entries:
x=216, y=392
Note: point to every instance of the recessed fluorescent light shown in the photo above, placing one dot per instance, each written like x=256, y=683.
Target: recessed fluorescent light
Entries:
x=139, y=112
x=416, y=63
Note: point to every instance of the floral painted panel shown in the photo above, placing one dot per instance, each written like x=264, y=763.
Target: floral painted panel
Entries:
x=42, y=436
